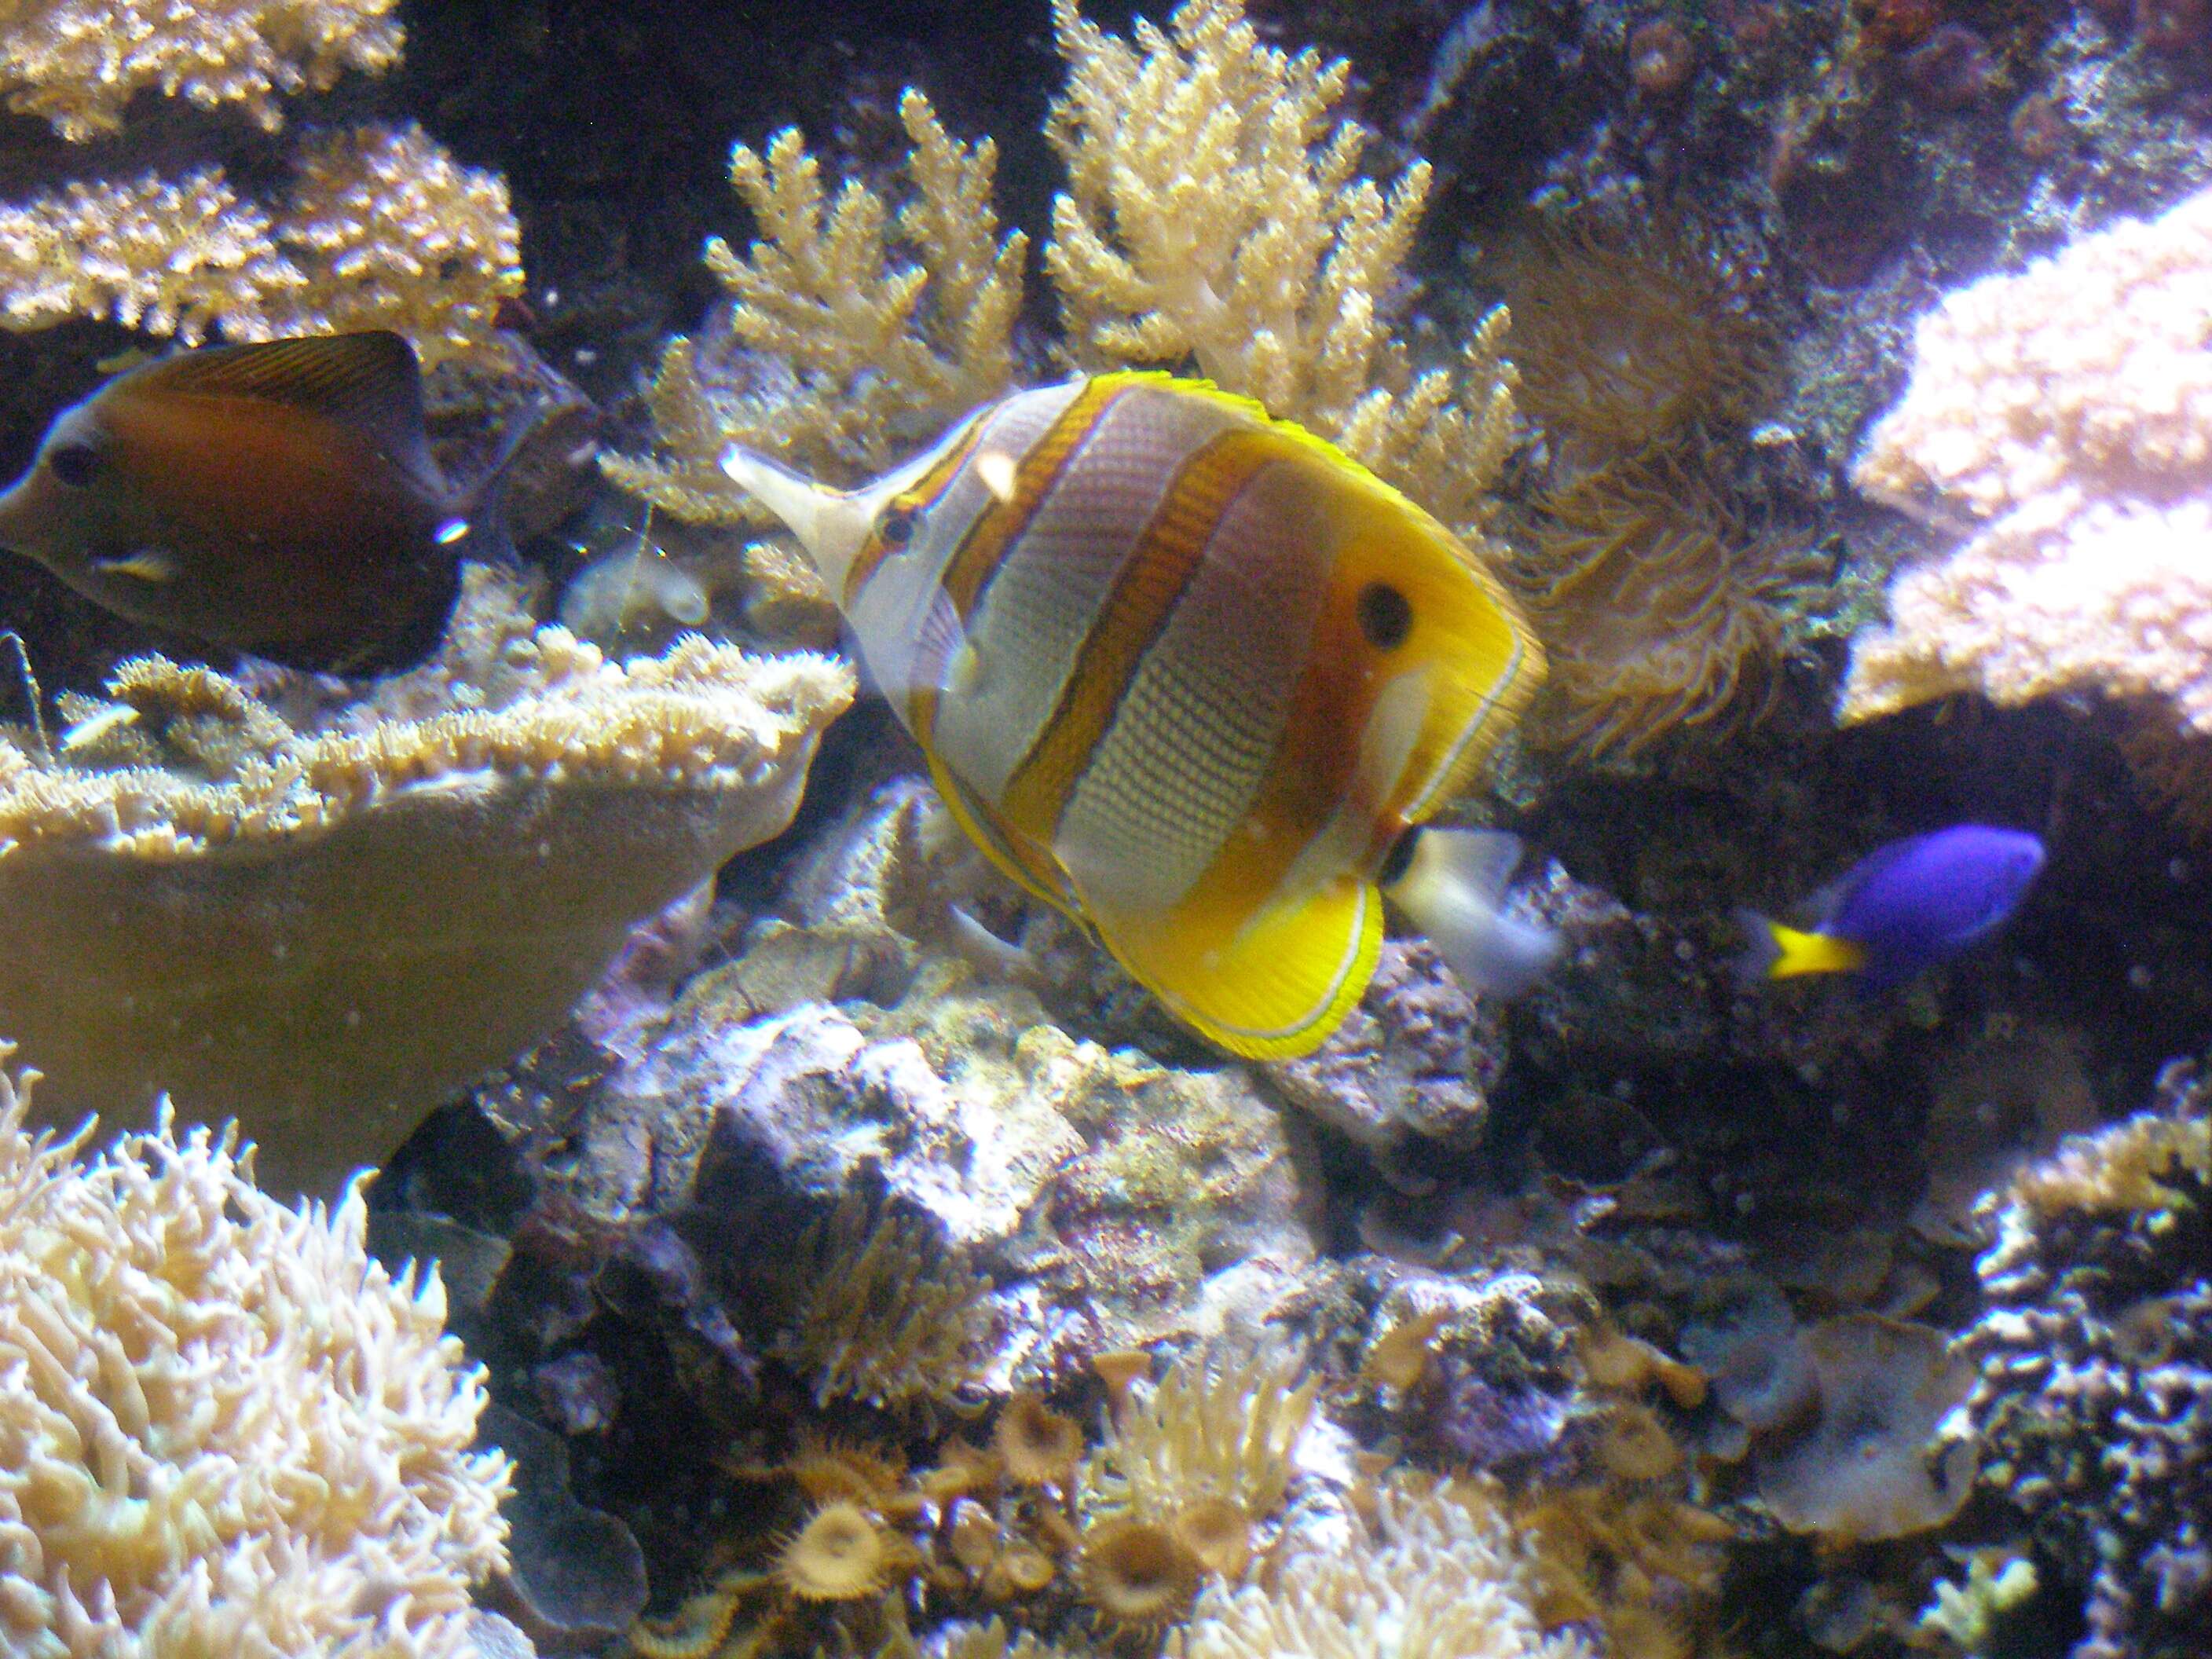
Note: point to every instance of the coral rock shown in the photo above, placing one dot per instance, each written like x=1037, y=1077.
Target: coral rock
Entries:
x=324, y=932
x=1416, y=1058
x=2094, y=1398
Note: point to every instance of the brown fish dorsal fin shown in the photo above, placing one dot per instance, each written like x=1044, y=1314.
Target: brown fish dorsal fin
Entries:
x=370, y=382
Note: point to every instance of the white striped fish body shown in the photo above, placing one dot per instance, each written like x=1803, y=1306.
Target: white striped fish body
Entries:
x=1184, y=671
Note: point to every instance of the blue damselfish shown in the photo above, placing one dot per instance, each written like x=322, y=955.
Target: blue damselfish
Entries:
x=1905, y=907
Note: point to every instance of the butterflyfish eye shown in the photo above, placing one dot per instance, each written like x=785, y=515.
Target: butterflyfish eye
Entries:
x=897, y=526
x=74, y=464
x=1385, y=616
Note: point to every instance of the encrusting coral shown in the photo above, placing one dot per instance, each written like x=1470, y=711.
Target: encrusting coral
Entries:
x=224, y=1429
x=2066, y=412
x=323, y=929
x=2095, y=1354
x=852, y=330
x=380, y=229
x=79, y=63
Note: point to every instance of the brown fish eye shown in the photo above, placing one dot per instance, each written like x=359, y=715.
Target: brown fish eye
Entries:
x=75, y=464
x=897, y=526
x=1386, y=616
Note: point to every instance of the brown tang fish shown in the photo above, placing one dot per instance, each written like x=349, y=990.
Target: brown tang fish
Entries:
x=280, y=499
x=1192, y=675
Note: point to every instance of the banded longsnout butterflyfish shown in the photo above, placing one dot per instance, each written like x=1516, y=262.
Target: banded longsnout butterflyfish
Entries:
x=1193, y=675
x=278, y=498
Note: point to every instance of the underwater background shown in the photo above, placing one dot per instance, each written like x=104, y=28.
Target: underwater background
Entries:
x=839, y=1250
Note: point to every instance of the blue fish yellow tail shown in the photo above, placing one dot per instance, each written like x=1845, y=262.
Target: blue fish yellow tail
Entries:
x=1773, y=951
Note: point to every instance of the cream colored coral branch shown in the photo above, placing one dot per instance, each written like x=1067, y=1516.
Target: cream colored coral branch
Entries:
x=854, y=331
x=79, y=63
x=382, y=229
x=1214, y=215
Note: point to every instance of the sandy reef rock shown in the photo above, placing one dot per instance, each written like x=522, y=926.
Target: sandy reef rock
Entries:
x=1117, y=1199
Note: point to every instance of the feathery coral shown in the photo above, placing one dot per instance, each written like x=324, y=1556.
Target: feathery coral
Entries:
x=891, y=1313
x=851, y=330
x=1625, y=341
x=1437, y=1575
x=1220, y=1425
x=1654, y=601
x=381, y=229
x=324, y=931
x=79, y=63
x=1215, y=213
x=2070, y=406
x=223, y=1428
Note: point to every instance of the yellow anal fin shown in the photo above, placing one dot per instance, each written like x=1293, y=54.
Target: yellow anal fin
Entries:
x=1271, y=990
x=1803, y=953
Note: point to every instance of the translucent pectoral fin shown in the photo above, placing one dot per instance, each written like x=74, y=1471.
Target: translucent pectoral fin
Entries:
x=1273, y=989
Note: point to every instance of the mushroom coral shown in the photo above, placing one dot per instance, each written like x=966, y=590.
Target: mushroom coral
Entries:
x=322, y=929
x=1861, y=1470
x=224, y=1429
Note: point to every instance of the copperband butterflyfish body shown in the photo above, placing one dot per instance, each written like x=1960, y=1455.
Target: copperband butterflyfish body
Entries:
x=1193, y=675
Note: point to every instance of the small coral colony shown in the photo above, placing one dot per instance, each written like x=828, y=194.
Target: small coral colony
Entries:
x=1248, y=1098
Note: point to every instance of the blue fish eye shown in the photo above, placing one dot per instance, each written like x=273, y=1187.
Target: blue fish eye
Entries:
x=897, y=526
x=74, y=464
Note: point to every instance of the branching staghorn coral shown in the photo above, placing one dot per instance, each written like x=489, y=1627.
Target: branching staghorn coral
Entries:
x=1438, y=1574
x=224, y=1429
x=322, y=928
x=382, y=229
x=79, y=63
x=862, y=331
x=1214, y=214
x=2066, y=414
x=891, y=1312
x=1656, y=601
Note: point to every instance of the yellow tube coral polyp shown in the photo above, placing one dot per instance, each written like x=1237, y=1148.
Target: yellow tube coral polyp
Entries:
x=324, y=934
